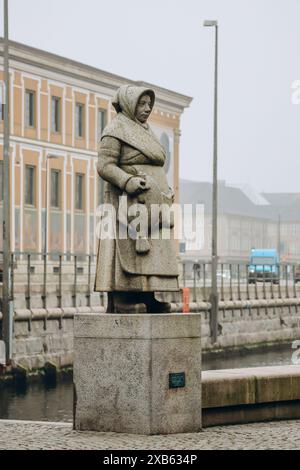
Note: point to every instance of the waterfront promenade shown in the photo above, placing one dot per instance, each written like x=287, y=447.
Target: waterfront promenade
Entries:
x=281, y=435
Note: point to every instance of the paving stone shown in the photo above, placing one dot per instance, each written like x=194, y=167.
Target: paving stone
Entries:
x=281, y=435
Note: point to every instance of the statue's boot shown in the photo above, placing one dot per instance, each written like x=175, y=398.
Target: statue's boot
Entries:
x=154, y=305
x=128, y=302
x=130, y=308
x=159, y=307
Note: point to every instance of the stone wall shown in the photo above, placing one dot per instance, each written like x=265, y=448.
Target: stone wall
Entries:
x=255, y=323
x=46, y=335
x=245, y=323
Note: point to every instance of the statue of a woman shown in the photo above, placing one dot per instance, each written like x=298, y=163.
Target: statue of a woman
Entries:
x=131, y=161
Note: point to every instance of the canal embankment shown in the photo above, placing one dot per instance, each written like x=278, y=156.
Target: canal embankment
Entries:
x=44, y=337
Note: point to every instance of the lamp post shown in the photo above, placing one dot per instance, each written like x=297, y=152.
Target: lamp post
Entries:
x=48, y=157
x=7, y=306
x=214, y=300
x=279, y=237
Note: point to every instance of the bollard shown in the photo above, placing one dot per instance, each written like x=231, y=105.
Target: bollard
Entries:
x=186, y=299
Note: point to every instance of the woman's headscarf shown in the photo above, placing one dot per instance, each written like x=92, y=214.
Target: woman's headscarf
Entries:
x=127, y=98
x=126, y=128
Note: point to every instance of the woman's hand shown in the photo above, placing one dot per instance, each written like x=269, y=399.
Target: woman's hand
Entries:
x=136, y=185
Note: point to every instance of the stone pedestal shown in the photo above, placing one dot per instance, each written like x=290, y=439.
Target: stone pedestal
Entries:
x=138, y=373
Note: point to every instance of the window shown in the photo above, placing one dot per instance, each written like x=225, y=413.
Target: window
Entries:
x=55, y=114
x=101, y=122
x=1, y=181
x=79, y=119
x=294, y=229
x=29, y=108
x=79, y=191
x=30, y=185
x=2, y=99
x=55, y=188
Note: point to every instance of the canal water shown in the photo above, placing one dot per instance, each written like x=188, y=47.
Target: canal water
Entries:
x=54, y=401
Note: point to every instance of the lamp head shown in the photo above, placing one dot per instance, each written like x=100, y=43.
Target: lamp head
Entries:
x=210, y=23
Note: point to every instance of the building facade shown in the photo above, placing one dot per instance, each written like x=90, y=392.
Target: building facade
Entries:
x=58, y=109
x=244, y=222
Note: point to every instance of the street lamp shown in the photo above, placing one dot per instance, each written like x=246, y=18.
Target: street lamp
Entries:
x=7, y=301
x=279, y=237
x=214, y=290
x=48, y=157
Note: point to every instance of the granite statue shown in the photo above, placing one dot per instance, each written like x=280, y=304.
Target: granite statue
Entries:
x=131, y=161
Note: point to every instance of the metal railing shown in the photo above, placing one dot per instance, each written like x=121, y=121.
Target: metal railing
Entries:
x=57, y=279
x=237, y=282
x=76, y=271
x=33, y=272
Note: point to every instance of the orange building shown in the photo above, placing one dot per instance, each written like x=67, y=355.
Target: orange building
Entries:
x=58, y=108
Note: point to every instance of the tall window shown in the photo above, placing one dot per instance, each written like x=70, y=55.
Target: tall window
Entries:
x=30, y=185
x=55, y=114
x=1, y=180
x=79, y=119
x=2, y=99
x=29, y=108
x=79, y=191
x=55, y=188
x=102, y=117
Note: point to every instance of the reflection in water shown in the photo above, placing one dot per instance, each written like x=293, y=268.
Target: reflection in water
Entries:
x=38, y=401
x=54, y=402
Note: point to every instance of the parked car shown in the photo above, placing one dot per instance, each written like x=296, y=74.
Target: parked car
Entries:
x=264, y=266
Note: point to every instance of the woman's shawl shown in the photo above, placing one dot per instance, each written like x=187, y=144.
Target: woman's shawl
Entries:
x=127, y=129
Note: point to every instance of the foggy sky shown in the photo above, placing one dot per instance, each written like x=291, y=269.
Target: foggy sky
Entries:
x=163, y=42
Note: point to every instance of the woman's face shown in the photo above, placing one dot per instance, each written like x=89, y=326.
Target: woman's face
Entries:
x=143, y=109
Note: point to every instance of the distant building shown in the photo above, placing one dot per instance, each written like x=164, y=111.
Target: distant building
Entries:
x=285, y=208
x=58, y=109
x=245, y=220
